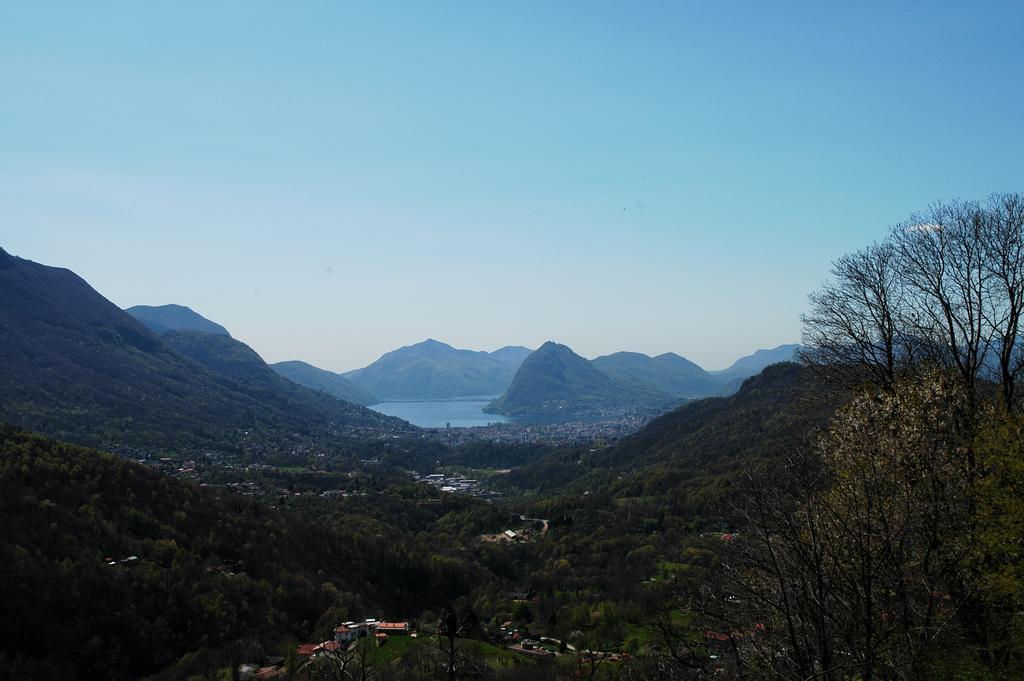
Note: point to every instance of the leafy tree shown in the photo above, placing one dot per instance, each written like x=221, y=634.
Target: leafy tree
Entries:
x=854, y=558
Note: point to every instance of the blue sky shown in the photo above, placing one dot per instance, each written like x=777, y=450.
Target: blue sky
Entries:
x=332, y=180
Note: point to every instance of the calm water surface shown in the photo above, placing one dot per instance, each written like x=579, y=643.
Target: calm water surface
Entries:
x=457, y=412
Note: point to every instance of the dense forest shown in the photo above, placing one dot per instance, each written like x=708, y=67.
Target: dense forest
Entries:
x=112, y=570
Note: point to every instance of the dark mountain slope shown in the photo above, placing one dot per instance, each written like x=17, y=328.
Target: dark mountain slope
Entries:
x=690, y=462
x=324, y=381
x=435, y=370
x=225, y=356
x=75, y=366
x=235, y=360
x=771, y=413
x=555, y=382
x=164, y=318
x=668, y=373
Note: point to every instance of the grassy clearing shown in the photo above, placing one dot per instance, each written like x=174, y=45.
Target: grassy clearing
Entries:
x=497, y=657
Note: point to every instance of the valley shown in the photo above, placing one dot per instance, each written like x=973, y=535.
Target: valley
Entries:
x=581, y=531
x=521, y=341
x=280, y=453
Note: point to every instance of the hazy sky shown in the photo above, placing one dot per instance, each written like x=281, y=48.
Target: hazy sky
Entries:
x=332, y=180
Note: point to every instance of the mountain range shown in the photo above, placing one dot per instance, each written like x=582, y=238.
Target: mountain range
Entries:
x=77, y=367
x=435, y=370
x=670, y=373
x=432, y=370
x=555, y=382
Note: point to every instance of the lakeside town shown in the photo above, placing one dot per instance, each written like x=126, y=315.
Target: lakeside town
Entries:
x=608, y=429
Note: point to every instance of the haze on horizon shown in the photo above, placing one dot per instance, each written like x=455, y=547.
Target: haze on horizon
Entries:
x=332, y=182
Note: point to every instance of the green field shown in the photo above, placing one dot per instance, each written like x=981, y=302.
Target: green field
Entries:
x=497, y=657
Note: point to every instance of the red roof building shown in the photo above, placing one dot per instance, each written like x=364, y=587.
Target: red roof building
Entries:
x=327, y=647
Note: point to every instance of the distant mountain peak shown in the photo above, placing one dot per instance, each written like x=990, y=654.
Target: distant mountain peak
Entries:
x=163, y=318
x=514, y=354
x=755, y=362
x=779, y=353
x=554, y=381
x=669, y=373
x=427, y=346
x=432, y=369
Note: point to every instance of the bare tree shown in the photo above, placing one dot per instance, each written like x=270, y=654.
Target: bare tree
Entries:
x=1004, y=261
x=945, y=288
x=780, y=574
x=855, y=324
x=455, y=661
x=943, y=265
x=679, y=651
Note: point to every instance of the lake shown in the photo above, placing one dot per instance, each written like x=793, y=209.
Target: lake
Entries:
x=457, y=412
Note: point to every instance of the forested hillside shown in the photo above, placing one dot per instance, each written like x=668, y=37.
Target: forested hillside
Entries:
x=236, y=361
x=690, y=460
x=113, y=571
x=772, y=413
